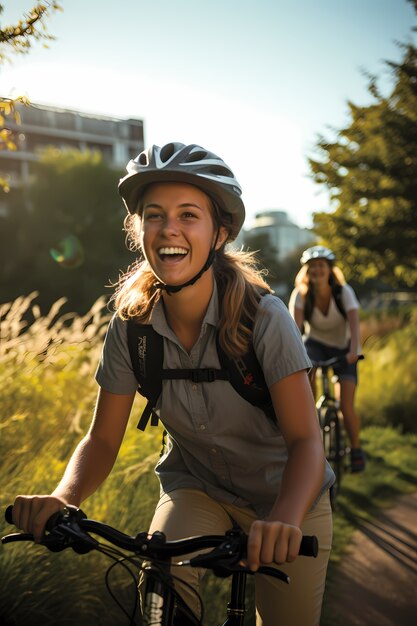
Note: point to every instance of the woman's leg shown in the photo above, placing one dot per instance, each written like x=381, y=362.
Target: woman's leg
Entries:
x=299, y=603
x=187, y=513
x=347, y=406
x=352, y=424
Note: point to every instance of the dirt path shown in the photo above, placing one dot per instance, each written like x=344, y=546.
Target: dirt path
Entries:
x=377, y=580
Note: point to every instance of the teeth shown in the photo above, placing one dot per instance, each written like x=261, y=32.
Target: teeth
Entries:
x=172, y=251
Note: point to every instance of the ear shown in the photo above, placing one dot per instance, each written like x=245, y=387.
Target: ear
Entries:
x=222, y=238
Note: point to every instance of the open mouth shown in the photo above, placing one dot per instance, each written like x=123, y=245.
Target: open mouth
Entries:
x=172, y=253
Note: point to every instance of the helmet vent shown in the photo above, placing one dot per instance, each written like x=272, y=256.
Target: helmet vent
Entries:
x=196, y=156
x=218, y=170
x=167, y=152
x=143, y=158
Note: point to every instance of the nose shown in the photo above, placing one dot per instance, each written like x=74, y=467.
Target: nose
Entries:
x=170, y=225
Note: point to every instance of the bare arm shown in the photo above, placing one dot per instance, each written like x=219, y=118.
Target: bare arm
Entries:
x=88, y=467
x=353, y=320
x=299, y=318
x=277, y=539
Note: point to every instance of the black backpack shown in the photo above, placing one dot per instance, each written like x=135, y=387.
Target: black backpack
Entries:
x=337, y=295
x=146, y=349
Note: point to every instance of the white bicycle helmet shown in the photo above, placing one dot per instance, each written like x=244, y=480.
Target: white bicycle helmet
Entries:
x=317, y=252
x=176, y=162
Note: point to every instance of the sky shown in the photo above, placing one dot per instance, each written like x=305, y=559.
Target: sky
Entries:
x=255, y=81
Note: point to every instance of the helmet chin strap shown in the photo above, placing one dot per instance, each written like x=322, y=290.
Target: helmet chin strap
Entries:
x=175, y=288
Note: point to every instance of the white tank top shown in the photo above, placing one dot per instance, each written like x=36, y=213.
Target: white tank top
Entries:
x=331, y=329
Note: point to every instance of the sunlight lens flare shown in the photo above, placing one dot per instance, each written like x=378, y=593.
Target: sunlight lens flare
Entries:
x=69, y=252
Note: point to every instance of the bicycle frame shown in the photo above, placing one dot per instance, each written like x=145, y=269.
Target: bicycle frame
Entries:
x=331, y=425
x=326, y=399
x=159, y=601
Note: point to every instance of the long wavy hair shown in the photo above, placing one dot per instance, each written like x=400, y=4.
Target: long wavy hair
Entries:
x=240, y=284
x=306, y=288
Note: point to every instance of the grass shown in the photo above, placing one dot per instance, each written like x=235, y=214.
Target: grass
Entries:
x=47, y=365
x=387, y=392
x=391, y=471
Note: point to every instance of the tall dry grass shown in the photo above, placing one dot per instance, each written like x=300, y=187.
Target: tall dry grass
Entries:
x=47, y=365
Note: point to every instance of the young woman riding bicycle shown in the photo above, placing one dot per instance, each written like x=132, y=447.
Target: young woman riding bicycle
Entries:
x=325, y=309
x=225, y=459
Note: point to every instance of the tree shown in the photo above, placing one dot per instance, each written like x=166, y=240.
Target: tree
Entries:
x=371, y=173
x=69, y=242
x=266, y=253
x=18, y=39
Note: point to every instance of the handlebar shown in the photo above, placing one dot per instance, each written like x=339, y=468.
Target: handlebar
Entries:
x=70, y=529
x=336, y=360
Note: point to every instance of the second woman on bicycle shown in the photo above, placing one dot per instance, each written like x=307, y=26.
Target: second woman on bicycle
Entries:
x=325, y=309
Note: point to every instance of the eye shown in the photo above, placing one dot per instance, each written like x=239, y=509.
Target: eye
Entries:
x=151, y=215
x=189, y=214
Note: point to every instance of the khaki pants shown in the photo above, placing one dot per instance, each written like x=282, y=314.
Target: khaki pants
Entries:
x=190, y=512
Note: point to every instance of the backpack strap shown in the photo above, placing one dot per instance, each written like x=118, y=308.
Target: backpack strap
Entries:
x=247, y=378
x=146, y=348
x=246, y=374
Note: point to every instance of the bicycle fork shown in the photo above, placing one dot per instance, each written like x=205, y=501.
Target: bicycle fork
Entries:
x=159, y=601
x=236, y=607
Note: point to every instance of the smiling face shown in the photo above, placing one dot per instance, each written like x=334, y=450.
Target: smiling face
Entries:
x=177, y=231
x=319, y=271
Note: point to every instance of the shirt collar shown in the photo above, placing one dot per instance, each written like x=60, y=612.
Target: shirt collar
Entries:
x=160, y=324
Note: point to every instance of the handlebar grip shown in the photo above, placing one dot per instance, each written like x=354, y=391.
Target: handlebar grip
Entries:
x=50, y=524
x=309, y=546
x=8, y=514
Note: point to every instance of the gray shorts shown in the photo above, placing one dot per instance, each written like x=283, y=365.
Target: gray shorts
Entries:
x=320, y=352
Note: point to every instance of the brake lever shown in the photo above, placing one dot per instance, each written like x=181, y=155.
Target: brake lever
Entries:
x=62, y=531
x=227, y=566
x=226, y=556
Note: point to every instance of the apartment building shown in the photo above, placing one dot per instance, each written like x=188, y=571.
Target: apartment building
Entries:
x=117, y=139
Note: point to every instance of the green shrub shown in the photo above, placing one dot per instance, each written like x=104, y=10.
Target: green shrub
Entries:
x=387, y=394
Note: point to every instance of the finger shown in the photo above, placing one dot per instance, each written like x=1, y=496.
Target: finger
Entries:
x=270, y=537
x=44, y=510
x=37, y=504
x=287, y=544
x=254, y=546
x=281, y=545
x=294, y=543
x=38, y=525
x=21, y=513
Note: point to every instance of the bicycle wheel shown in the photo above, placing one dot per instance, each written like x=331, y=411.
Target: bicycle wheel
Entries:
x=333, y=449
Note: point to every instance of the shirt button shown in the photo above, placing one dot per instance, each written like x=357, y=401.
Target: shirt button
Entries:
x=214, y=450
x=194, y=386
x=202, y=427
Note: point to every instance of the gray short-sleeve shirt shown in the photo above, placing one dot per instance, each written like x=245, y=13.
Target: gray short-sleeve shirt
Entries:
x=218, y=442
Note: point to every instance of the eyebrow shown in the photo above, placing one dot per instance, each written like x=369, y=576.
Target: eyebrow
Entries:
x=184, y=205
